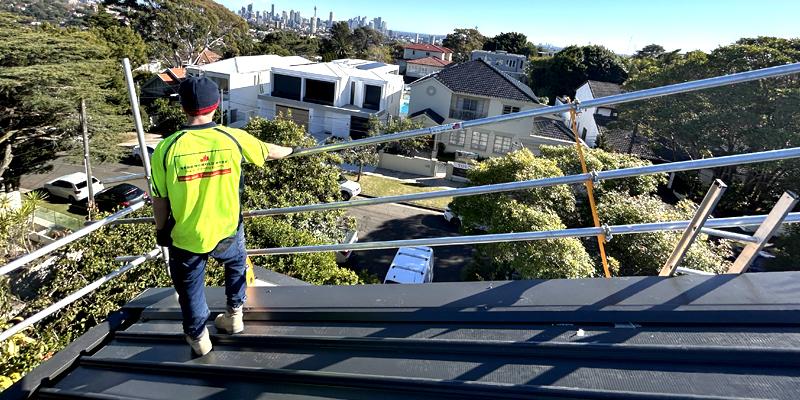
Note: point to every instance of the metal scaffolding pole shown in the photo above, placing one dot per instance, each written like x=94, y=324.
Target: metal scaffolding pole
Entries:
x=75, y=296
x=616, y=99
x=537, y=183
x=522, y=236
x=67, y=239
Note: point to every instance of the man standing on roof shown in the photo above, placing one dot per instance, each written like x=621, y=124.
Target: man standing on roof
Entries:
x=197, y=188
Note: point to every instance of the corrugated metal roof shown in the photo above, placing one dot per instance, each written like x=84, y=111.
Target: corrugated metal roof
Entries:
x=725, y=336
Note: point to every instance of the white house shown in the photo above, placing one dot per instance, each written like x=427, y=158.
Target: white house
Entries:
x=475, y=90
x=512, y=64
x=335, y=97
x=241, y=80
x=423, y=50
x=420, y=67
x=591, y=120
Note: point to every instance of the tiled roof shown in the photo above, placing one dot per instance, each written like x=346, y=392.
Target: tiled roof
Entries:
x=170, y=80
x=481, y=79
x=179, y=73
x=205, y=57
x=431, y=61
x=428, y=47
x=628, y=142
x=435, y=117
x=604, y=89
x=553, y=129
x=691, y=336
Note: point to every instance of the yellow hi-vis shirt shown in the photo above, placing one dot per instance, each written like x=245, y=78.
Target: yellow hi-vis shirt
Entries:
x=199, y=169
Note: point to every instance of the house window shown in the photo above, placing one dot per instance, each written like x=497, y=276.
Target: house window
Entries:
x=319, y=92
x=510, y=110
x=479, y=141
x=502, y=144
x=498, y=62
x=352, y=93
x=287, y=87
x=413, y=52
x=583, y=134
x=458, y=137
x=427, y=53
x=466, y=109
x=372, y=97
x=423, y=70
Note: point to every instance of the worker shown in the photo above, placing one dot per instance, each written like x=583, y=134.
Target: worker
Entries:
x=197, y=188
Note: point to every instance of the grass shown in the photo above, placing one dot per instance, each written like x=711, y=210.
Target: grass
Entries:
x=382, y=187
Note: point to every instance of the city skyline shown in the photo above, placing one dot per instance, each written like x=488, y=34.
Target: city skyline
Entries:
x=624, y=26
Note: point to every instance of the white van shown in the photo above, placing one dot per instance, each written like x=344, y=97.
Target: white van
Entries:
x=411, y=265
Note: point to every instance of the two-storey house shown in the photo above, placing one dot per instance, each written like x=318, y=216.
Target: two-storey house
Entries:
x=474, y=90
x=336, y=97
x=423, y=50
x=241, y=80
x=590, y=121
x=512, y=64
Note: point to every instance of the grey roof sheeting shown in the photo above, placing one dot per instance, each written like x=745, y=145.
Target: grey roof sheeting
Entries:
x=482, y=79
x=731, y=336
x=628, y=142
x=433, y=115
x=604, y=89
x=553, y=129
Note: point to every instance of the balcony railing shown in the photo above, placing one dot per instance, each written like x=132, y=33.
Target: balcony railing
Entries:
x=464, y=115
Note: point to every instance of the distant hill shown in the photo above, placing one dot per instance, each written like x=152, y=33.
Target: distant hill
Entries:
x=55, y=12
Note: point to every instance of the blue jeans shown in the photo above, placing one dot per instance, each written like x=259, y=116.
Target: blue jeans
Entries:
x=188, y=275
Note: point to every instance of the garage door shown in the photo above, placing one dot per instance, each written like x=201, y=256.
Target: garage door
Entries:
x=299, y=116
x=358, y=127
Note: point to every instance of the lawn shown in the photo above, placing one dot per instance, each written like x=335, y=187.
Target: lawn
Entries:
x=382, y=187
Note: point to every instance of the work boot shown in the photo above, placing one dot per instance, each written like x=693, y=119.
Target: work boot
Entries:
x=230, y=321
x=201, y=344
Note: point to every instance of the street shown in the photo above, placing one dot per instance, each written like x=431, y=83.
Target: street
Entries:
x=100, y=171
x=397, y=222
x=375, y=223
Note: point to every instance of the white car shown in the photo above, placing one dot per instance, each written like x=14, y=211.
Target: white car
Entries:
x=343, y=256
x=451, y=218
x=349, y=188
x=137, y=154
x=411, y=265
x=72, y=187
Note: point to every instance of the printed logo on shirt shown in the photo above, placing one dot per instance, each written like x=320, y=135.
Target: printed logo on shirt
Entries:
x=207, y=164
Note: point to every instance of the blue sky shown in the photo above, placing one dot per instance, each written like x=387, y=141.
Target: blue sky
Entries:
x=677, y=24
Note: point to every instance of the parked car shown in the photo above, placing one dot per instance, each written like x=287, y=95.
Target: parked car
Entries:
x=343, y=256
x=72, y=187
x=349, y=188
x=411, y=265
x=122, y=195
x=136, y=153
x=451, y=218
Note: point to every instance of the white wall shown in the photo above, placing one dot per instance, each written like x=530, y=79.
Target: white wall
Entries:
x=412, y=165
x=586, y=117
x=340, y=124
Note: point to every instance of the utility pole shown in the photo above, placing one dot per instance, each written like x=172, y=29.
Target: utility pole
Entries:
x=89, y=183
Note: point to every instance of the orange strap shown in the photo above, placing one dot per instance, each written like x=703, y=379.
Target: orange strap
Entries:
x=601, y=240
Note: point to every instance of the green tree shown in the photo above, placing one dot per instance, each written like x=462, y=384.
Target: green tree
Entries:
x=361, y=156
x=44, y=73
x=463, y=42
x=512, y=42
x=569, y=68
x=650, y=51
x=292, y=43
x=646, y=253
x=365, y=39
x=341, y=41
x=170, y=117
x=177, y=29
x=787, y=250
x=404, y=147
x=735, y=119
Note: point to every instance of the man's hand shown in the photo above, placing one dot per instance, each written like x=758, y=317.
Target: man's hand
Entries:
x=277, y=152
x=164, y=235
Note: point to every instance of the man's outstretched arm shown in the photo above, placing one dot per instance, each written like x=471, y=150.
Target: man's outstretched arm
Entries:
x=277, y=152
x=160, y=211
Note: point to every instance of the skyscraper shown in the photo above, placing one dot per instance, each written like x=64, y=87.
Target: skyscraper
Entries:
x=291, y=18
x=330, y=19
x=250, y=7
x=272, y=14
